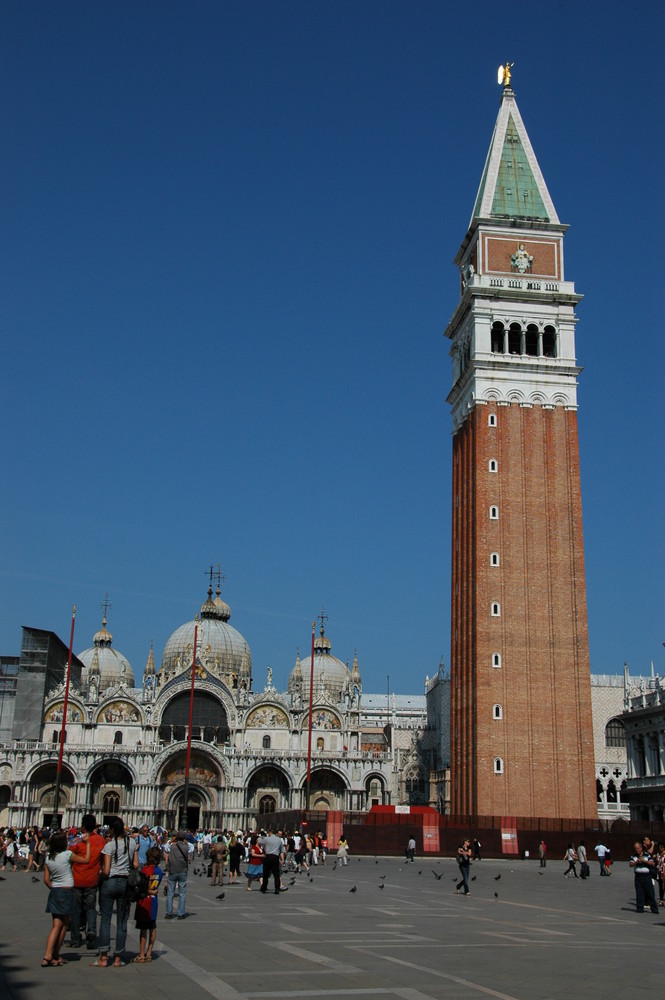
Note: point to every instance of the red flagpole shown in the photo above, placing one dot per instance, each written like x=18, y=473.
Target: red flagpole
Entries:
x=64, y=721
x=191, y=712
x=309, y=739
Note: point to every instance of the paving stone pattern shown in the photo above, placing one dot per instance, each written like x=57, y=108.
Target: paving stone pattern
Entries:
x=526, y=935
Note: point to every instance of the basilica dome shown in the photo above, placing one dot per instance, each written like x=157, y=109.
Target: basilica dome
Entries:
x=101, y=660
x=222, y=650
x=331, y=676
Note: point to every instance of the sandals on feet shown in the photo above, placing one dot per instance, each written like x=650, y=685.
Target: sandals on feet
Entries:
x=100, y=963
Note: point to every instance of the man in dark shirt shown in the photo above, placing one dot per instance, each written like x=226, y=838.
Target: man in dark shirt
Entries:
x=643, y=864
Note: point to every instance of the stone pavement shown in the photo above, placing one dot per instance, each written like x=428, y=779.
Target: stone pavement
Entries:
x=521, y=936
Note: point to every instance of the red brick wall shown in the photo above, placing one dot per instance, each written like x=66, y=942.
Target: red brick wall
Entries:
x=545, y=253
x=545, y=736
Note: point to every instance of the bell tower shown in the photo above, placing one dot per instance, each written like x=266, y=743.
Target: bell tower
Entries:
x=521, y=726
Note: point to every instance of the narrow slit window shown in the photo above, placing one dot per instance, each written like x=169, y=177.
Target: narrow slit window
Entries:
x=496, y=659
x=494, y=513
x=497, y=712
x=494, y=465
x=491, y=420
x=498, y=765
x=496, y=609
x=494, y=559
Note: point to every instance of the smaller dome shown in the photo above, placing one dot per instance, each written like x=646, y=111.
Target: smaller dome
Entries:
x=331, y=676
x=101, y=659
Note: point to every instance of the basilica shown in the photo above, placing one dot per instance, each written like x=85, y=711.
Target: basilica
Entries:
x=126, y=745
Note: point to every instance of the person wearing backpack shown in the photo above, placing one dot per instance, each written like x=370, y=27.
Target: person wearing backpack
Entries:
x=146, y=906
x=119, y=854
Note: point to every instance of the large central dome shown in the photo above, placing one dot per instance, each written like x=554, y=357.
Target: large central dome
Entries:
x=222, y=650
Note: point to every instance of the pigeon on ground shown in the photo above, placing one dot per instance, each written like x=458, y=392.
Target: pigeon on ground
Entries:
x=473, y=878
x=382, y=886
x=497, y=877
x=221, y=895
x=420, y=873
x=496, y=895
x=355, y=889
x=376, y=862
x=437, y=877
x=34, y=879
x=311, y=879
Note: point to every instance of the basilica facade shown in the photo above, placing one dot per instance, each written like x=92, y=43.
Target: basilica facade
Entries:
x=126, y=745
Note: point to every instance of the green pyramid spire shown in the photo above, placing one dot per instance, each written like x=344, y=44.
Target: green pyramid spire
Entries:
x=512, y=185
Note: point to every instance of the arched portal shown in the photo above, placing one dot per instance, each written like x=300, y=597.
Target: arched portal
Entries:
x=205, y=791
x=375, y=791
x=110, y=790
x=41, y=795
x=268, y=790
x=327, y=789
x=5, y=796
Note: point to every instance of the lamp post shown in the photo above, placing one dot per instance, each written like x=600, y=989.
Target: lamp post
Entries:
x=308, y=786
x=58, y=773
x=189, y=728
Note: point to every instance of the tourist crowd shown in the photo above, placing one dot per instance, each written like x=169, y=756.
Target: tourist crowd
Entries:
x=91, y=871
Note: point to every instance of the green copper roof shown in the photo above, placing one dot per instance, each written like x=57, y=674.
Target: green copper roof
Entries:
x=512, y=185
x=516, y=191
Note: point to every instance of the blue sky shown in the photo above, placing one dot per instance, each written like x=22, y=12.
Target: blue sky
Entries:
x=227, y=242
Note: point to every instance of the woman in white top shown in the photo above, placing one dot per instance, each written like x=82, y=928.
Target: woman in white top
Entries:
x=59, y=878
x=119, y=854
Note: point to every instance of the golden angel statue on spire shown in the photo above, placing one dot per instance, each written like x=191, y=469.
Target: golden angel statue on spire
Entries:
x=504, y=74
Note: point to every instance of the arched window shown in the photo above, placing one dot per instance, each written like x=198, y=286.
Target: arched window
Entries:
x=494, y=513
x=550, y=342
x=209, y=720
x=496, y=609
x=56, y=736
x=498, y=765
x=497, y=712
x=117, y=739
x=611, y=791
x=493, y=465
x=267, y=804
x=599, y=790
x=615, y=734
x=531, y=340
x=497, y=338
x=515, y=339
x=494, y=559
x=266, y=743
x=111, y=804
x=496, y=659
x=320, y=743
x=491, y=420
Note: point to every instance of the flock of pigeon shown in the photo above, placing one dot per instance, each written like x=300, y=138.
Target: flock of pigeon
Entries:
x=204, y=873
